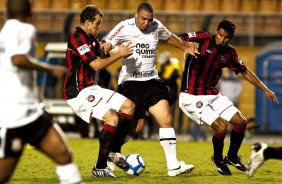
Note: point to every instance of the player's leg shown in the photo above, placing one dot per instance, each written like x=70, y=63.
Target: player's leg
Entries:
x=107, y=135
x=161, y=112
x=125, y=109
x=261, y=152
x=51, y=141
x=229, y=113
x=202, y=111
x=8, y=165
x=126, y=112
x=237, y=135
x=220, y=129
x=11, y=147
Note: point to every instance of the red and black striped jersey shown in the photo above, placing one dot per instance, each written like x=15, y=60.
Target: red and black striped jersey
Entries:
x=201, y=74
x=82, y=49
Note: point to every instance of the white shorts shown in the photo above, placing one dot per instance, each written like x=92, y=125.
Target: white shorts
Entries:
x=95, y=101
x=206, y=108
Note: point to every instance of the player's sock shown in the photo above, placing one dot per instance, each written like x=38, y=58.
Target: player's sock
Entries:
x=105, y=140
x=68, y=174
x=168, y=142
x=273, y=153
x=236, y=139
x=218, y=144
x=122, y=132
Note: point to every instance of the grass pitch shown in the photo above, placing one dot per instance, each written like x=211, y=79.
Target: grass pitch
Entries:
x=35, y=168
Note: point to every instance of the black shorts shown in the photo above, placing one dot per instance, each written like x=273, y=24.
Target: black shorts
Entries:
x=12, y=140
x=145, y=94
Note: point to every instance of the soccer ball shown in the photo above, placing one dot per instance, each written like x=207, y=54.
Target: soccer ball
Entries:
x=136, y=164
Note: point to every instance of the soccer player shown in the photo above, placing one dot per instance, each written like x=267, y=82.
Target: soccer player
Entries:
x=262, y=152
x=139, y=77
x=87, y=99
x=22, y=119
x=202, y=101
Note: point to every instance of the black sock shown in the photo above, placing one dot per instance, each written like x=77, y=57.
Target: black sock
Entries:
x=218, y=144
x=273, y=153
x=105, y=140
x=236, y=139
x=120, y=137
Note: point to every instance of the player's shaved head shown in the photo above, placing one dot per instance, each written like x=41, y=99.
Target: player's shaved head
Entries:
x=18, y=8
x=146, y=7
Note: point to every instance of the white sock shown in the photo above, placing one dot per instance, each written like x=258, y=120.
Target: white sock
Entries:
x=68, y=174
x=168, y=142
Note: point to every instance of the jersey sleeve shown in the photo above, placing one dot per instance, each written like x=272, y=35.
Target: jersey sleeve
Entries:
x=195, y=36
x=116, y=34
x=26, y=40
x=236, y=64
x=163, y=32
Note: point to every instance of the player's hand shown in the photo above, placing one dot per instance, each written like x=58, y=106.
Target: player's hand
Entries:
x=105, y=48
x=271, y=96
x=58, y=71
x=192, y=48
x=125, y=50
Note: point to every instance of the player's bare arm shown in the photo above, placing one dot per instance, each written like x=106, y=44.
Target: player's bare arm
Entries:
x=253, y=79
x=28, y=62
x=188, y=48
x=99, y=63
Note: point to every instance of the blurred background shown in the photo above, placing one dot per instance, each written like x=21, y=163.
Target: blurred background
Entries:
x=258, y=41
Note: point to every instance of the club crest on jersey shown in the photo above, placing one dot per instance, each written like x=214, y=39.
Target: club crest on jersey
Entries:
x=155, y=35
x=222, y=59
x=91, y=98
x=199, y=104
x=83, y=49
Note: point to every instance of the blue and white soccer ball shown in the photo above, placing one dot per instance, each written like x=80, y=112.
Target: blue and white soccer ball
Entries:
x=136, y=164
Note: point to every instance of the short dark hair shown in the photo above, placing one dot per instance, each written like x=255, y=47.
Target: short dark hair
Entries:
x=145, y=6
x=89, y=13
x=228, y=26
x=18, y=8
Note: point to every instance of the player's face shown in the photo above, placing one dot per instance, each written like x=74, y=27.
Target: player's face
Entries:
x=143, y=19
x=222, y=37
x=94, y=26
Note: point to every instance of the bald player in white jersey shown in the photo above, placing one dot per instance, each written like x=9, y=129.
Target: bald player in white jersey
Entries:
x=22, y=120
x=140, y=81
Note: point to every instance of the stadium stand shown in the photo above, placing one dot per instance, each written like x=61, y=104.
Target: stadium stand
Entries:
x=158, y=4
x=132, y=4
x=99, y=3
x=39, y=4
x=268, y=6
x=191, y=5
x=248, y=5
x=114, y=4
x=172, y=5
x=210, y=7
x=62, y=4
x=229, y=6
x=254, y=18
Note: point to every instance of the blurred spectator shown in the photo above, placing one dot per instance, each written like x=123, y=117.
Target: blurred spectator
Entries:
x=169, y=69
x=230, y=85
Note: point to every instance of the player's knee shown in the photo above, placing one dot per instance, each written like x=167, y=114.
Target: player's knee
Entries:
x=111, y=118
x=129, y=107
x=222, y=129
x=65, y=157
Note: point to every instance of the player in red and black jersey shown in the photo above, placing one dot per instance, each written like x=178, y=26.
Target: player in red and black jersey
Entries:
x=202, y=101
x=87, y=99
